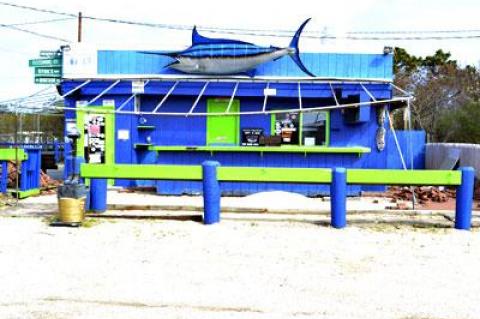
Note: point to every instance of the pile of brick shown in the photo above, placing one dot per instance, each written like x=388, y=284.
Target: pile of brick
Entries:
x=46, y=182
x=423, y=194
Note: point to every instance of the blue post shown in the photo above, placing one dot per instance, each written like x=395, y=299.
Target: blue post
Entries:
x=338, y=198
x=4, y=177
x=211, y=193
x=98, y=195
x=463, y=209
x=56, y=151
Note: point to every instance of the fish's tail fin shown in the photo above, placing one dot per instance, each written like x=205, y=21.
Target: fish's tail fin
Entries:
x=295, y=51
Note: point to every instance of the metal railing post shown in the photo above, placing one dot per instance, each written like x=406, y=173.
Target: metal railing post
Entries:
x=338, y=198
x=211, y=193
x=464, y=200
x=98, y=195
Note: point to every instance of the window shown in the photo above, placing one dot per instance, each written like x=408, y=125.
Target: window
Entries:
x=314, y=128
x=309, y=128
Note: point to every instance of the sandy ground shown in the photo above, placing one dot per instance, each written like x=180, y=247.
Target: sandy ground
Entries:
x=172, y=269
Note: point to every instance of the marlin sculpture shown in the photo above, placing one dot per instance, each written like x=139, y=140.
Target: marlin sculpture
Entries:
x=216, y=56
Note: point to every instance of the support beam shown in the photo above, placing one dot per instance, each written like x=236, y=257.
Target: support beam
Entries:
x=165, y=97
x=232, y=97
x=300, y=106
x=131, y=97
x=198, y=98
x=265, y=98
x=368, y=92
x=333, y=94
x=211, y=193
x=103, y=92
x=464, y=201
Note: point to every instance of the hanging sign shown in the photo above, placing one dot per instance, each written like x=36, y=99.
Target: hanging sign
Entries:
x=138, y=87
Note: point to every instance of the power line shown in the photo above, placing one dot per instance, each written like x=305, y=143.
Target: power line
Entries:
x=36, y=9
x=39, y=22
x=38, y=34
x=278, y=33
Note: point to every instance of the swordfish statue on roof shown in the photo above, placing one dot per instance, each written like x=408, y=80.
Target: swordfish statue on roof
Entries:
x=216, y=56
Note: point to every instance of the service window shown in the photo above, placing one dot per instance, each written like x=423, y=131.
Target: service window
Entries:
x=308, y=128
x=314, y=128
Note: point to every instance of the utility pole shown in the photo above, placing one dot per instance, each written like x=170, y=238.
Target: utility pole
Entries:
x=80, y=27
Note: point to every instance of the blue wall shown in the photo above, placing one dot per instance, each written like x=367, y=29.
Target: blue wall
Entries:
x=331, y=65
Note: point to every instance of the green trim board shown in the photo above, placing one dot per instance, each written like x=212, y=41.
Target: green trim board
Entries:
x=273, y=149
x=145, y=127
x=142, y=145
x=273, y=174
x=223, y=129
x=403, y=177
x=167, y=172
x=110, y=129
x=25, y=194
x=8, y=154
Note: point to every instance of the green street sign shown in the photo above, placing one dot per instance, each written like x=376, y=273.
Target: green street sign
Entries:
x=39, y=80
x=45, y=62
x=48, y=72
x=50, y=54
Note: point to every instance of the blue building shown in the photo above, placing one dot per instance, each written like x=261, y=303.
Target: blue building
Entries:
x=132, y=110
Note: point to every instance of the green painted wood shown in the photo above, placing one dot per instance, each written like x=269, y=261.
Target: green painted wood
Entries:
x=223, y=129
x=273, y=149
x=8, y=154
x=163, y=172
x=402, y=177
x=145, y=127
x=275, y=174
x=109, y=129
x=141, y=145
x=25, y=194
x=272, y=174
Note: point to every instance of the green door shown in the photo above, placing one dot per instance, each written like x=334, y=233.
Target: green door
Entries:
x=221, y=129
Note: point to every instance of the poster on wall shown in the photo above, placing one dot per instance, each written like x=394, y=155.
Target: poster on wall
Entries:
x=94, y=141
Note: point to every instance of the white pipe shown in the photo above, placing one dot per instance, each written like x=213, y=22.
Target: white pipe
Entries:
x=103, y=92
x=198, y=99
x=299, y=96
x=304, y=110
x=165, y=97
x=368, y=92
x=266, y=97
x=232, y=97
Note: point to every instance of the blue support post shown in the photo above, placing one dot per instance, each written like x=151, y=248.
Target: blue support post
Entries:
x=338, y=197
x=211, y=193
x=4, y=177
x=463, y=209
x=98, y=195
x=56, y=151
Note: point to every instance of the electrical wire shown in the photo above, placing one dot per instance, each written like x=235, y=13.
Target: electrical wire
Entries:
x=279, y=33
x=40, y=22
x=38, y=34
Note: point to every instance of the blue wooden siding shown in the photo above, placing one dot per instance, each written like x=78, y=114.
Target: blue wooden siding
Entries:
x=181, y=130
x=334, y=65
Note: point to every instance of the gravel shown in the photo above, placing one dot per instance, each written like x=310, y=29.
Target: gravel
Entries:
x=172, y=269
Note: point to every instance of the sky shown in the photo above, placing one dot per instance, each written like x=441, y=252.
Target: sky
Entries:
x=330, y=17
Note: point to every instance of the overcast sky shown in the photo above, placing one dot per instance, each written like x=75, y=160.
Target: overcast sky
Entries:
x=333, y=17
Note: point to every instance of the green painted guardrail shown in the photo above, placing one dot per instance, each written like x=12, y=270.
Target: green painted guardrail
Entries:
x=274, y=174
x=211, y=173
x=8, y=154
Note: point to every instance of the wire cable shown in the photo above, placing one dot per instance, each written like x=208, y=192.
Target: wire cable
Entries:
x=40, y=22
x=38, y=34
x=275, y=33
